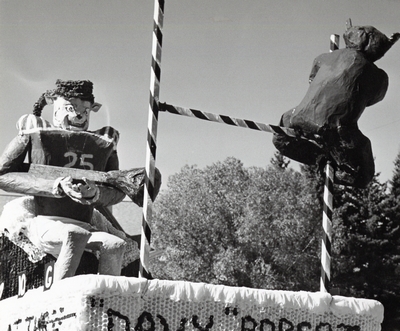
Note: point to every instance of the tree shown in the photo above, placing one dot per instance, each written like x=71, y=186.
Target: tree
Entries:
x=366, y=245
x=395, y=181
x=231, y=225
x=280, y=229
x=261, y=227
x=194, y=222
x=358, y=240
x=279, y=161
x=391, y=292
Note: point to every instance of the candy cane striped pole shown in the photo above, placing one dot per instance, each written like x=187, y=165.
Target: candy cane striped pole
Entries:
x=224, y=119
x=334, y=45
x=327, y=210
x=149, y=192
x=327, y=229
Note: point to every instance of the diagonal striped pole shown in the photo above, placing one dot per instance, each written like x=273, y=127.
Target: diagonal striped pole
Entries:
x=224, y=119
x=327, y=210
x=149, y=193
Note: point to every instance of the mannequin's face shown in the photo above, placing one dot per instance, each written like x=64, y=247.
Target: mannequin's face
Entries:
x=72, y=114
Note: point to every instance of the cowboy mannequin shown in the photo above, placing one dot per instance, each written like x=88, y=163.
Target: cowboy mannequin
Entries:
x=65, y=207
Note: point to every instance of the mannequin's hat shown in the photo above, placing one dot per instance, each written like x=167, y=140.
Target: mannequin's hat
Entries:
x=82, y=89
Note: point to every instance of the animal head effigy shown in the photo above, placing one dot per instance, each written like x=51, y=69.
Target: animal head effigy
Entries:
x=369, y=40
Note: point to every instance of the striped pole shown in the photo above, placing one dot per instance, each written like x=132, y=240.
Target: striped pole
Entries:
x=327, y=229
x=224, y=119
x=327, y=210
x=149, y=192
x=334, y=45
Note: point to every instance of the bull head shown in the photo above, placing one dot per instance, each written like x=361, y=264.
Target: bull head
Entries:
x=368, y=40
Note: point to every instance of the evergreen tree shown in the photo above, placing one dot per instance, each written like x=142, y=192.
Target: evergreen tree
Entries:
x=279, y=161
x=366, y=242
x=315, y=178
x=390, y=296
x=395, y=181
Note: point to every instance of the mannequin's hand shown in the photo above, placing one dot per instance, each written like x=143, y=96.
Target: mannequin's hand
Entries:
x=86, y=193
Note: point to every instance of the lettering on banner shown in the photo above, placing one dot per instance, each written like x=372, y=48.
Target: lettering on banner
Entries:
x=303, y=326
x=323, y=326
x=146, y=322
x=229, y=310
x=146, y=316
x=197, y=325
x=30, y=321
x=21, y=284
x=93, y=302
x=268, y=325
x=249, y=323
x=149, y=322
x=1, y=289
x=111, y=313
x=56, y=320
x=182, y=324
x=42, y=322
x=48, y=275
x=163, y=322
x=285, y=324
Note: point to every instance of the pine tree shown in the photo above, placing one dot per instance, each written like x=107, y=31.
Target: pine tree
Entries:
x=365, y=241
x=279, y=161
x=395, y=181
x=391, y=228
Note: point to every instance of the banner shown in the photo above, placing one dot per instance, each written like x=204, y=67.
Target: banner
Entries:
x=95, y=302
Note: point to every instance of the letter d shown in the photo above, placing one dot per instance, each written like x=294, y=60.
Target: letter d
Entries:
x=21, y=284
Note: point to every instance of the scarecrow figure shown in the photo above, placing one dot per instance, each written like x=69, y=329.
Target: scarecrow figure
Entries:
x=59, y=221
x=342, y=84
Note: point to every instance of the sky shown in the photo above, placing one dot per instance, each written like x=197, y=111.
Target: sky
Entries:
x=247, y=59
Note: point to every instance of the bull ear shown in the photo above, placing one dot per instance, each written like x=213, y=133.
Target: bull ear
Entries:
x=348, y=24
x=95, y=107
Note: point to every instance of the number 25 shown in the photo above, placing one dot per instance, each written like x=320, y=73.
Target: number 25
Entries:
x=80, y=161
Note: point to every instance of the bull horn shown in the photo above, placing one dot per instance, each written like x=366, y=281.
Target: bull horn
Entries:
x=394, y=37
x=348, y=24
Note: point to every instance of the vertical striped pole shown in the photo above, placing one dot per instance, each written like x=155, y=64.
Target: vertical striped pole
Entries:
x=334, y=45
x=151, y=138
x=327, y=229
x=327, y=210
